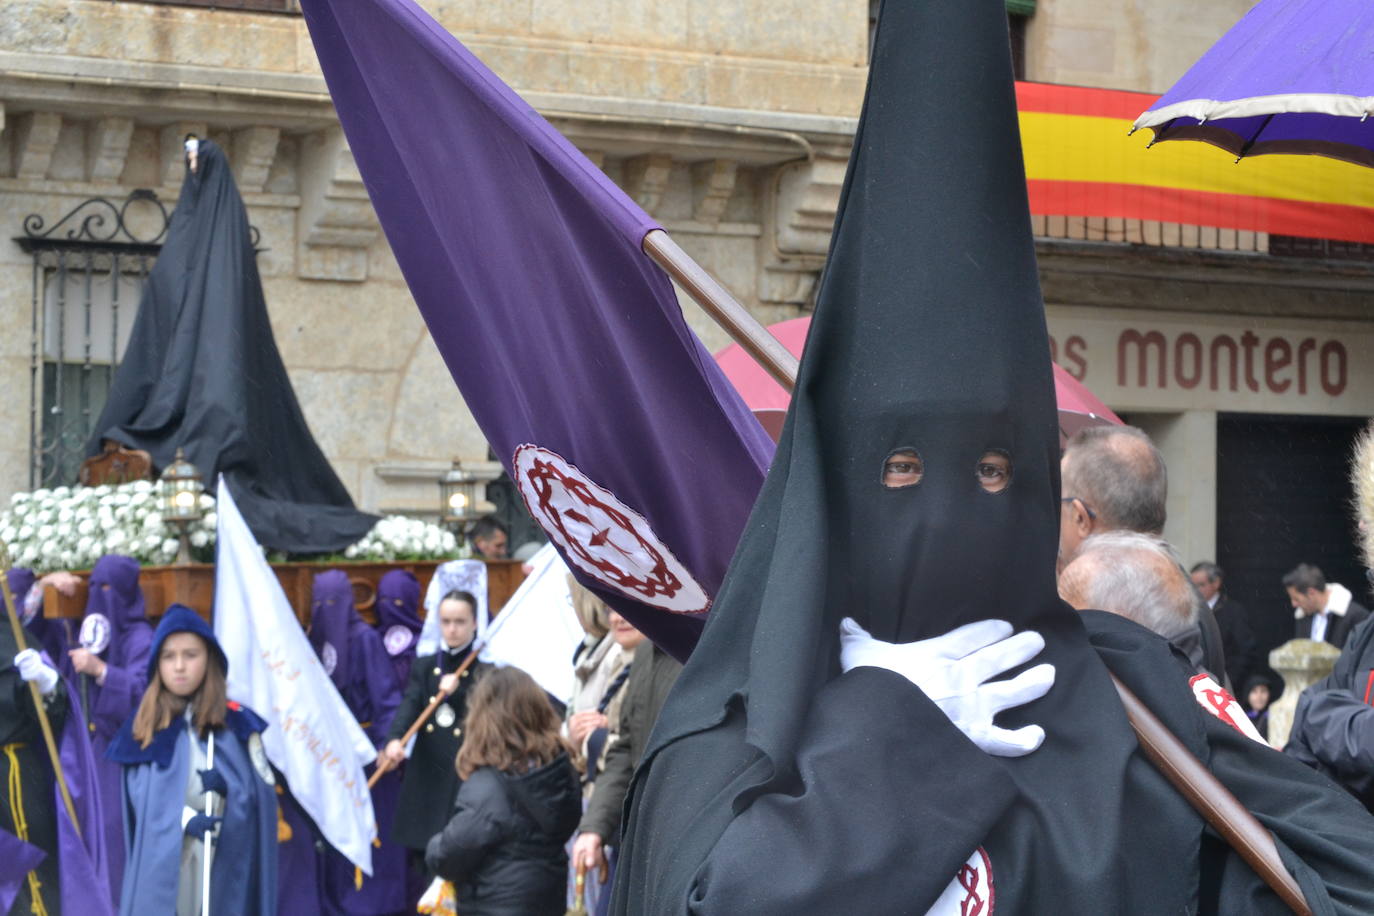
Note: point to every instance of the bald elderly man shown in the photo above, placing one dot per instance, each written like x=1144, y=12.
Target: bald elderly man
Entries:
x=1139, y=577
x=1134, y=575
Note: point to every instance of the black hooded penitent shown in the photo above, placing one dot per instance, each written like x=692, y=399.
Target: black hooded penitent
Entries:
x=774, y=784
x=202, y=373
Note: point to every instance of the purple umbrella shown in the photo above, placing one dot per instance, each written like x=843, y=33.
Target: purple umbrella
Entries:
x=1293, y=76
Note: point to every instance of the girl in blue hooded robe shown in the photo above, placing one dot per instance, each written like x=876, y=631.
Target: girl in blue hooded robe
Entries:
x=165, y=750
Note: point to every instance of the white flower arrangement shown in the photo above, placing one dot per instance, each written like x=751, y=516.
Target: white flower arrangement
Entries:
x=71, y=527
x=397, y=537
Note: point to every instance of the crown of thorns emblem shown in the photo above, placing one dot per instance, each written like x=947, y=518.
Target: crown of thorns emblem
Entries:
x=601, y=535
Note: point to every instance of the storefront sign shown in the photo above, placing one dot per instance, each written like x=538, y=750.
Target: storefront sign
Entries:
x=1162, y=361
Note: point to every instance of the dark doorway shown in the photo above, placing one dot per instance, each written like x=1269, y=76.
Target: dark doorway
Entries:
x=1283, y=498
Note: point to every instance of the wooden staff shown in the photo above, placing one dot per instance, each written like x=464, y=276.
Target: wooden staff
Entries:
x=43, y=722
x=384, y=764
x=1212, y=800
x=1197, y=784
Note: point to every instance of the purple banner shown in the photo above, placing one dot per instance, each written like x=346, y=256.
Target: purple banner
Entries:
x=642, y=463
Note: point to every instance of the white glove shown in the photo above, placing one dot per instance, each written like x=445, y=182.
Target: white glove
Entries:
x=953, y=670
x=32, y=668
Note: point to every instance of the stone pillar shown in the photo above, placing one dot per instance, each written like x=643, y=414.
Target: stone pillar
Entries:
x=1301, y=663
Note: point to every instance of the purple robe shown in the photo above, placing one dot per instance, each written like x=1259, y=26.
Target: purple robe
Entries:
x=299, y=862
x=358, y=664
x=17, y=859
x=398, y=619
x=84, y=858
x=52, y=634
x=115, y=596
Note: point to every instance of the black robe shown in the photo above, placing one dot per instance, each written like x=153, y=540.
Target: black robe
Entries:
x=856, y=826
x=1333, y=724
x=202, y=373
x=21, y=740
x=430, y=782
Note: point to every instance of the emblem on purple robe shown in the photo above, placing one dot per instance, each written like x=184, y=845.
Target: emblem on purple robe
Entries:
x=601, y=535
x=95, y=633
x=329, y=657
x=397, y=639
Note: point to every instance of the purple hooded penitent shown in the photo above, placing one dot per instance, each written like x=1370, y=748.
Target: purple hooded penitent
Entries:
x=91, y=866
x=567, y=343
x=398, y=619
x=358, y=664
x=51, y=634
x=115, y=627
x=331, y=608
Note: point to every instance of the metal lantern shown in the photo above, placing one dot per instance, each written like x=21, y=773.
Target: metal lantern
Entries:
x=181, y=489
x=458, y=498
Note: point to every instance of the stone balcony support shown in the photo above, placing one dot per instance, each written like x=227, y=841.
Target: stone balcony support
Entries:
x=336, y=224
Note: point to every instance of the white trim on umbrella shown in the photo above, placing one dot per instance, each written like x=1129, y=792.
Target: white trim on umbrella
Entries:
x=1347, y=106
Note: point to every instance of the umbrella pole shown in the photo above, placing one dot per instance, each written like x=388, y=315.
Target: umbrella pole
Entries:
x=1197, y=784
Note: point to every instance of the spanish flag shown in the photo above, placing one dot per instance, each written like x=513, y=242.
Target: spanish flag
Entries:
x=1080, y=162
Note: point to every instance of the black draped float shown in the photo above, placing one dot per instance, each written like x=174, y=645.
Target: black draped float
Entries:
x=202, y=373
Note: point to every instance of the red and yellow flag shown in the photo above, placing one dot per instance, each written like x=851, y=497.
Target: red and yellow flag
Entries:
x=1080, y=162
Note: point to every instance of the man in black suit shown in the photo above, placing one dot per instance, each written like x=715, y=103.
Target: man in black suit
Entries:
x=1237, y=639
x=431, y=783
x=1323, y=610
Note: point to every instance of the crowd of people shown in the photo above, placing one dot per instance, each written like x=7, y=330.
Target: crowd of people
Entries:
x=507, y=793
x=487, y=796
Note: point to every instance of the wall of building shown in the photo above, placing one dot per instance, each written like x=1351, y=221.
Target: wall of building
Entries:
x=1123, y=44
x=729, y=120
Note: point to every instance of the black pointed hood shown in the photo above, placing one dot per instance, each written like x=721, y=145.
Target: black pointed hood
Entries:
x=202, y=372
x=929, y=335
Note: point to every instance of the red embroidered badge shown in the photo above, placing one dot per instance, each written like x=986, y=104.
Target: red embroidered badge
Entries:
x=601, y=535
x=1212, y=697
x=971, y=892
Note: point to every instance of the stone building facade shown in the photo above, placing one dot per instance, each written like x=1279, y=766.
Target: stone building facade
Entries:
x=728, y=120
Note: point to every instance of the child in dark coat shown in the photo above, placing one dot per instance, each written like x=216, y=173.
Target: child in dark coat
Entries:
x=519, y=803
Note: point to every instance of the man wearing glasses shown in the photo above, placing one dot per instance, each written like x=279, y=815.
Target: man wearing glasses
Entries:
x=1113, y=479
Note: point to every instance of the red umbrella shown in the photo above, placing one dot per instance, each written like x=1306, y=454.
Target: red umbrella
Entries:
x=1078, y=407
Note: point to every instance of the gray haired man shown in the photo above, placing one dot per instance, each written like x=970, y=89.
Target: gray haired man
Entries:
x=1114, y=479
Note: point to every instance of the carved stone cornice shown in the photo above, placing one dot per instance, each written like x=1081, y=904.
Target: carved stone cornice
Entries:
x=336, y=224
x=800, y=216
x=646, y=178
x=107, y=148
x=713, y=183
x=253, y=150
x=35, y=140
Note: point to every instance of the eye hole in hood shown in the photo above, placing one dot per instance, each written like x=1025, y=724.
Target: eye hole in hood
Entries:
x=994, y=470
x=902, y=468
